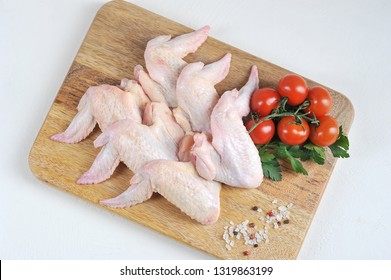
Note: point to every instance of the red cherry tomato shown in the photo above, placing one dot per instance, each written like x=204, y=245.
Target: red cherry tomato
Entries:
x=264, y=100
x=263, y=133
x=294, y=87
x=320, y=101
x=326, y=133
x=292, y=133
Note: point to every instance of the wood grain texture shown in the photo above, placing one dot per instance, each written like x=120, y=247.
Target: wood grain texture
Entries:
x=113, y=46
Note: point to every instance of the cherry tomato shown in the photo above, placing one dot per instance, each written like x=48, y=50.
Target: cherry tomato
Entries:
x=264, y=100
x=292, y=133
x=320, y=101
x=326, y=133
x=263, y=133
x=294, y=87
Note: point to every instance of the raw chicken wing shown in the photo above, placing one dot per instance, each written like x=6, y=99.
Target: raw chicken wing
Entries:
x=195, y=91
x=179, y=183
x=163, y=59
x=231, y=157
x=135, y=144
x=104, y=105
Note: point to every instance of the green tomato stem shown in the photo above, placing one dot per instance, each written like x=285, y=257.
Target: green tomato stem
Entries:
x=296, y=114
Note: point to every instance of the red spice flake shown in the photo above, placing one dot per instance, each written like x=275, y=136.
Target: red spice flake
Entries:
x=271, y=214
x=246, y=253
x=252, y=236
x=251, y=225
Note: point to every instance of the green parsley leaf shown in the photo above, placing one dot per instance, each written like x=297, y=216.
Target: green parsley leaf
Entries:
x=270, y=166
x=318, y=159
x=266, y=156
x=341, y=146
x=281, y=151
x=295, y=151
x=297, y=166
x=311, y=151
x=284, y=151
x=271, y=169
x=319, y=150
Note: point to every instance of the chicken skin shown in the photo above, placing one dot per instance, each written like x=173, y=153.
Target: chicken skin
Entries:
x=230, y=157
x=135, y=144
x=196, y=93
x=104, y=104
x=164, y=62
x=179, y=183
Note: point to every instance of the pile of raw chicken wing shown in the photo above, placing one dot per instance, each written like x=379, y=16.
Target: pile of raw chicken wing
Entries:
x=171, y=129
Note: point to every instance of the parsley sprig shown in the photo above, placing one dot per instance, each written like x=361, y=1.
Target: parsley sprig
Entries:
x=274, y=151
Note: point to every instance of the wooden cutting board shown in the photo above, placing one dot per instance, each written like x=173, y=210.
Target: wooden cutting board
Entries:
x=113, y=46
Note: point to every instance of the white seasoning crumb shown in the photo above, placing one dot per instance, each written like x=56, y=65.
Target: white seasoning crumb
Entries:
x=252, y=236
x=282, y=208
x=231, y=231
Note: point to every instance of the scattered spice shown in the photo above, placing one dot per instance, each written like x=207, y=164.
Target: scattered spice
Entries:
x=250, y=234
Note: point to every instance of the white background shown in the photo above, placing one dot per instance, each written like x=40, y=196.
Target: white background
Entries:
x=342, y=44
